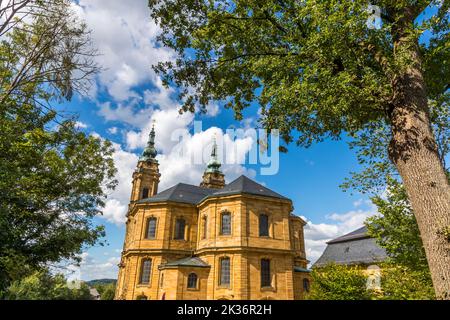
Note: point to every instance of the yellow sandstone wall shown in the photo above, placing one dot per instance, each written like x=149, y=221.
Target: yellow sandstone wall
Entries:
x=284, y=247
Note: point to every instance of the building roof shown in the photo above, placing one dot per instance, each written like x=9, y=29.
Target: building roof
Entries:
x=186, y=193
x=187, y=262
x=355, y=235
x=351, y=249
x=248, y=186
x=183, y=193
x=300, y=269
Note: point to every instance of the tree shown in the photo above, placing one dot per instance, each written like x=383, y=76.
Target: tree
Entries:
x=53, y=178
x=318, y=69
x=43, y=285
x=106, y=290
x=400, y=282
x=338, y=282
x=396, y=228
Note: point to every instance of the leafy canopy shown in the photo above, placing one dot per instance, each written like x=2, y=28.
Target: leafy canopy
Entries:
x=53, y=178
x=396, y=228
x=43, y=285
x=315, y=67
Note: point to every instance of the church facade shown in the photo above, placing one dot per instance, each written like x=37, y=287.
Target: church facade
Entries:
x=215, y=241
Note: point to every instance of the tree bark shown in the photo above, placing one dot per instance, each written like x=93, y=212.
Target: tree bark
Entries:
x=414, y=151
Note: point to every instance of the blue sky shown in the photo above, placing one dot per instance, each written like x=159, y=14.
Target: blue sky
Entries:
x=128, y=95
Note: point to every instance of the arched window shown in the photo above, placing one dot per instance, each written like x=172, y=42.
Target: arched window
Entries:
x=306, y=285
x=224, y=278
x=180, y=226
x=145, y=193
x=263, y=225
x=146, y=268
x=151, y=228
x=192, y=281
x=162, y=280
x=266, y=280
x=225, y=228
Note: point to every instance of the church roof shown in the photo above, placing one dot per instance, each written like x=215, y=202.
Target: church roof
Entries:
x=247, y=185
x=186, y=193
x=354, y=248
x=183, y=193
x=187, y=262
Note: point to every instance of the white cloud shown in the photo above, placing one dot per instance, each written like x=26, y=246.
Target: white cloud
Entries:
x=131, y=113
x=80, y=125
x=91, y=269
x=117, y=203
x=125, y=36
x=113, y=130
x=317, y=235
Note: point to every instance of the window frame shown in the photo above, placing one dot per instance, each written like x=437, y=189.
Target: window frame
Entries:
x=176, y=231
x=150, y=219
x=196, y=284
x=145, y=193
x=268, y=225
x=221, y=276
x=266, y=275
x=306, y=285
x=143, y=270
x=222, y=215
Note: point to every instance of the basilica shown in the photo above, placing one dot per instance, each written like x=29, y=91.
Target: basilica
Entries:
x=214, y=241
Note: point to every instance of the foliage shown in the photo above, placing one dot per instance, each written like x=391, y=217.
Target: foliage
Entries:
x=106, y=290
x=46, y=52
x=372, y=142
x=403, y=283
x=315, y=67
x=44, y=286
x=318, y=70
x=396, y=229
x=53, y=177
x=338, y=282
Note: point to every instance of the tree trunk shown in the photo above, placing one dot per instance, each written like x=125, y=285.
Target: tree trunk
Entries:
x=414, y=151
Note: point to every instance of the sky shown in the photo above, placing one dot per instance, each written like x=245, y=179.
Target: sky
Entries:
x=128, y=96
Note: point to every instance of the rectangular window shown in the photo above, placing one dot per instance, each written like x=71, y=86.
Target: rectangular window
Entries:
x=263, y=225
x=145, y=193
x=224, y=279
x=180, y=226
x=145, y=272
x=151, y=228
x=226, y=224
x=266, y=280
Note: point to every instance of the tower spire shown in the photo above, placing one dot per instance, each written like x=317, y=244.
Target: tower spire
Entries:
x=146, y=176
x=214, y=164
x=213, y=178
x=150, y=152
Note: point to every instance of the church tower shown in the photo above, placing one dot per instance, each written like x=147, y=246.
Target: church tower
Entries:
x=146, y=177
x=213, y=178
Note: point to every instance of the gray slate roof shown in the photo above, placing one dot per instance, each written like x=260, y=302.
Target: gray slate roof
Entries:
x=187, y=262
x=247, y=185
x=352, y=249
x=186, y=193
x=183, y=193
x=358, y=234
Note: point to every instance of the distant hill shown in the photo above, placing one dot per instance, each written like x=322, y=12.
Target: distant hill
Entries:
x=100, y=281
